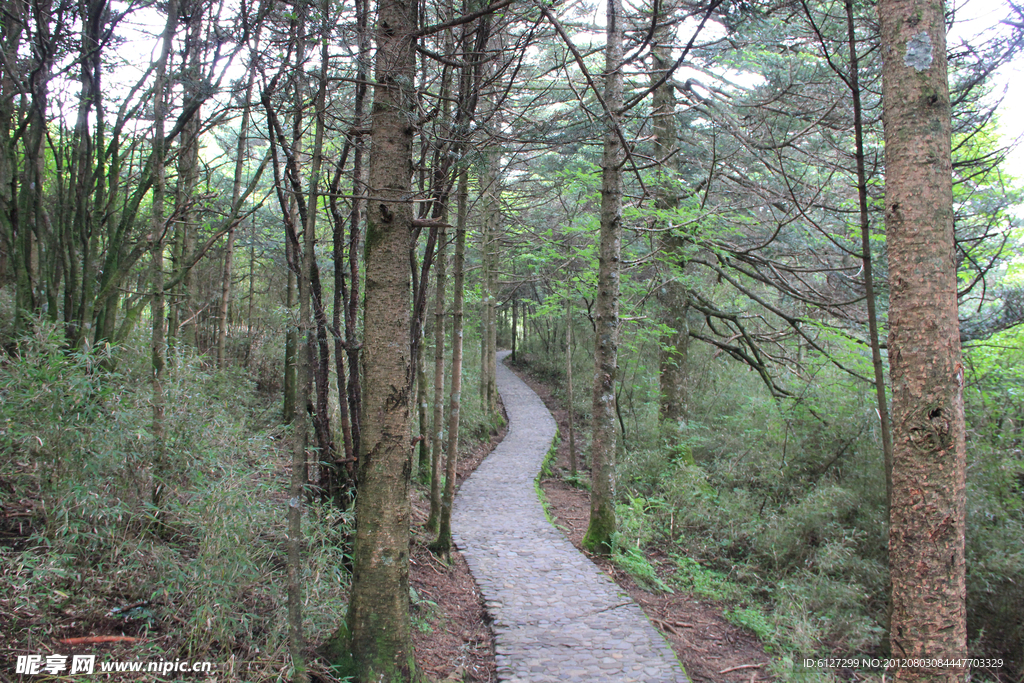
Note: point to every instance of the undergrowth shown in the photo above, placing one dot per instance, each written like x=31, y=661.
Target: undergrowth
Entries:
x=201, y=577
x=777, y=509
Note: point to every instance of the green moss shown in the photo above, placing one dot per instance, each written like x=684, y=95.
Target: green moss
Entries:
x=598, y=538
x=374, y=235
x=336, y=651
x=547, y=465
x=545, y=472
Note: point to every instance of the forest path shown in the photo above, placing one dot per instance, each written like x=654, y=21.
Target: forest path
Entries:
x=557, y=616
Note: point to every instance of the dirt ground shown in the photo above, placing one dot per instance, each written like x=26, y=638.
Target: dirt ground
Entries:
x=451, y=631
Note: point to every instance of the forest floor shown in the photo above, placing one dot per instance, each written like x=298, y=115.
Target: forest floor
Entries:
x=451, y=629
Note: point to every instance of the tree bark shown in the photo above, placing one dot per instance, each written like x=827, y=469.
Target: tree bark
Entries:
x=602, y=450
x=320, y=353
x=292, y=254
x=241, y=152
x=157, y=227
x=437, y=427
x=444, y=535
x=927, y=516
x=491, y=214
x=672, y=293
x=30, y=210
x=183, y=324
x=11, y=32
x=379, y=632
x=568, y=381
x=421, y=393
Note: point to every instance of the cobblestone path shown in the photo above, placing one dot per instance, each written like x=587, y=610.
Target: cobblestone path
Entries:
x=557, y=616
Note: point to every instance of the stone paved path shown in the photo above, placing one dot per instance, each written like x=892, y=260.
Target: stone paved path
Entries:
x=557, y=616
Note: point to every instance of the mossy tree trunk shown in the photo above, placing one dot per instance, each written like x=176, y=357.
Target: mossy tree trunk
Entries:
x=378, y=624
x=927, y=514
x=603, y=442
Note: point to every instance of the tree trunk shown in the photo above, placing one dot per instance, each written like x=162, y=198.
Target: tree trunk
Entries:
x=927, y=515
x=292, y=255
x=241, y=152
x=568, y=381
x=11, y=32
x=865, y=235
x=379, y=632
x=422, y=408
x=437, y=427
x=185, y=326
x=320, y=353
x=490, y=216
x=602, y=449
x=158, y=342
x=353, y=388
x=444, y=535
x=672, y=293
x=30, y=211
x=515, y=325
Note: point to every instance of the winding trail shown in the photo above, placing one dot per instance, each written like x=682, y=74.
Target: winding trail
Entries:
x=557, y=616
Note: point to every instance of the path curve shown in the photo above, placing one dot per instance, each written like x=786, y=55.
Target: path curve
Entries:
x=557, y=616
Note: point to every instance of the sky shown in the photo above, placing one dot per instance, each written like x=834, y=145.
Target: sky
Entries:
x=972, y=17
x=976, y=17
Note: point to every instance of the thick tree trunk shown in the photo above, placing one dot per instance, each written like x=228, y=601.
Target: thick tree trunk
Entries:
x=602, y=449
x=379, y=632
x=927, y=516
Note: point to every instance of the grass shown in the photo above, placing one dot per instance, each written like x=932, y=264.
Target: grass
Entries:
x=546, y=472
